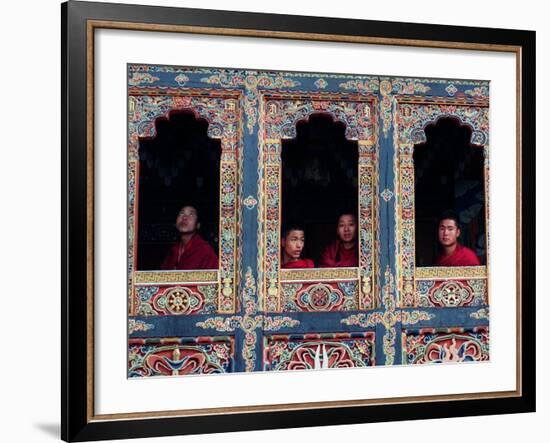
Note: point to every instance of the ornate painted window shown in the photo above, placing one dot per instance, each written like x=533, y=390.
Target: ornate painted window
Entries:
x=327, y=289
x=438, y=286
x=178, y=292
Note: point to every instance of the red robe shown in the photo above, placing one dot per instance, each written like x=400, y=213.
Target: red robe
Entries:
x=301, y=263
x=462, y=256
x=336, y=256
x=197, y=254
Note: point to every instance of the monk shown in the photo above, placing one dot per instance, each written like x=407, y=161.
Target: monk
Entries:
x=453, y=253
x=191, y=251
x=292, y=245
x=342, y=252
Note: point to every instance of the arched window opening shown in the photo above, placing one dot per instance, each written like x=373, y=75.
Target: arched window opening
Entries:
x=449, y=181
x=319, y=182
x=179, y=166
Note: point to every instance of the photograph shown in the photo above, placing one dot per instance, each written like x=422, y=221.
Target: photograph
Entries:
x=361, y=201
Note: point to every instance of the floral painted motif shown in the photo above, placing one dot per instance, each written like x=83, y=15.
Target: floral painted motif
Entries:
x=180, y=301
x=131, y=262
x=283, y=114
x=367, y=216
x=363, y=320
x=222, y=324
x=387, y=195
x=249, y=323
x=175, y=300
x=389, y=318
x=155, y=68
x=369, y=85
x=451, y=293
x=138, y=79
x=250, y=202
x=138, y=325
x=411, y=119
x=446, y=346
x=252, y=82
x=478, y=92
x=319, y=297
x=451, y=89
x=276, y=323
x=181, y=79
x=482, y=314
x=143, y=297
x=414, y=117
x=272, y=232
x=173, y=357
x=222, y=114
x=402, y=86
x=290, y=353
x=386, y=105
x=321, y=83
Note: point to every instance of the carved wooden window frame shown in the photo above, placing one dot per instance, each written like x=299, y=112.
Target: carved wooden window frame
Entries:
x=280, y=113
x=180, y=292
x=461, y=286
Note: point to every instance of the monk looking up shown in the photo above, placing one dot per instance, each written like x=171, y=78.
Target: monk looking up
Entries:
x=191, y=251
x=453, y=253
x=343, y=251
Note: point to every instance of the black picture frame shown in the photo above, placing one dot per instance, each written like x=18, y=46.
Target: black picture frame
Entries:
x=78, y=422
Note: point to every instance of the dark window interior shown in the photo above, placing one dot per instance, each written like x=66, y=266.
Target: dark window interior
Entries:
x=319, y=180
x=449, y=176
x=179, y=166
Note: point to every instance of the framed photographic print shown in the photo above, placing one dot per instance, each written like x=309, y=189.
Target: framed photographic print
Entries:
x=282, y=221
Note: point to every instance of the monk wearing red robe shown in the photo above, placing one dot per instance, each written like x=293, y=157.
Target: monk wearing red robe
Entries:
x=191, y=251
x=292, y=245
x=343, y=252
x=453, y=253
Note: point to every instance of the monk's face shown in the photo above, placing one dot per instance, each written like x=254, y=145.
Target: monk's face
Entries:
x=448, y=232
x=187, y=220
x=347, y=228
x=293, y=244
